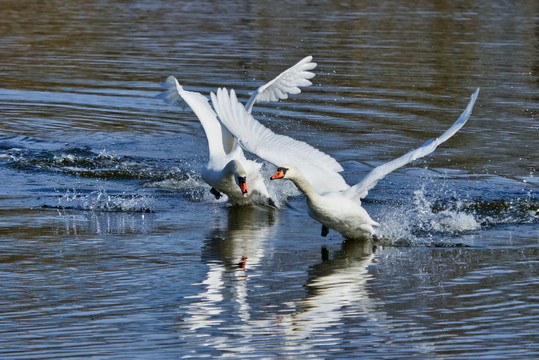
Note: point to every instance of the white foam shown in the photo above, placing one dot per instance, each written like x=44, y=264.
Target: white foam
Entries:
x=419, y=220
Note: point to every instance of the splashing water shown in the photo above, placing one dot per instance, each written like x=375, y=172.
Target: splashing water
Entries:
x=420, y=222
x=196, y=190
x=100, y=200
x=279, y=191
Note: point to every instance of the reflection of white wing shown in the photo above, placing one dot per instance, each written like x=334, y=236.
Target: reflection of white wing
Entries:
x=320, y=169
x=361, y=189
x=288, y=82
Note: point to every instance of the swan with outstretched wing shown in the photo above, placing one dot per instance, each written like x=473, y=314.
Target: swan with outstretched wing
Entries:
x=227, y=171
x=330, y=200
x=287, y=82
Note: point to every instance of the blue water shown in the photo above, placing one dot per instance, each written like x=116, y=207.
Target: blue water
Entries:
x=111, y=245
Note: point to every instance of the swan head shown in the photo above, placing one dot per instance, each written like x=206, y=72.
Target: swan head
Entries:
x=235, y=169
x=242, y=183
x=285, y=172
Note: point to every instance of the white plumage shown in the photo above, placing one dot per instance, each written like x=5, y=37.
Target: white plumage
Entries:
x=288, y=82
x=331, y=201
x=227, y=169
x=321, y=169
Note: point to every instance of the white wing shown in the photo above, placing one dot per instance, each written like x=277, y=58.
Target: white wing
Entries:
x=288, y=82
x=219, y=139
x=361, y=189
x=172, y=95
x=320, y=169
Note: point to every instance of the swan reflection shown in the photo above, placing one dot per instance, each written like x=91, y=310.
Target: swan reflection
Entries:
x=262, y=298
x=337, y=288
x=231, y=251
x=338, y=294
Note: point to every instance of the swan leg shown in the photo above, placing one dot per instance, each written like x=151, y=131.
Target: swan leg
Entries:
x=215, y=193
x=325, y=230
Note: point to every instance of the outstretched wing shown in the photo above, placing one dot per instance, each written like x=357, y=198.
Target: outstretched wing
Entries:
x=172, y=95
x=320, y=169
x=361, y=189
x=288, y=82
x=219, y=139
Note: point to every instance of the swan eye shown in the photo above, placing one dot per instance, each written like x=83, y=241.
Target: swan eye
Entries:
x=282, y=171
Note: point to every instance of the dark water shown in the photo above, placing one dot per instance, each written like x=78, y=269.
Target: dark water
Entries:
x=112, y=247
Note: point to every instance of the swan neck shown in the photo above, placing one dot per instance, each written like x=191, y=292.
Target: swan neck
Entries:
x=235, y=168
x=304, y=186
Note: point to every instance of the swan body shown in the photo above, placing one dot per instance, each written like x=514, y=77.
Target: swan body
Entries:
x=332, y=209
x=227, y=170
x=330, y=200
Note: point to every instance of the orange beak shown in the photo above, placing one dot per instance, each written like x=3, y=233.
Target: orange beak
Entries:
x=278, y=175
x=243, y=186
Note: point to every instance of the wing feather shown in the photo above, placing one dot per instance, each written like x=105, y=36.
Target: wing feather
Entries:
x=288, y=82
x=361, y=189
x=320, y=169
x=219, y=139
x=172, y=95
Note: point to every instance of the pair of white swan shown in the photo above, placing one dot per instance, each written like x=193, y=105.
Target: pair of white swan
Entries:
x=330, y=200
x=227, y=170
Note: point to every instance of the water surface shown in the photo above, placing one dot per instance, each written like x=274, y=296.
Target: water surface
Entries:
x=112, y=247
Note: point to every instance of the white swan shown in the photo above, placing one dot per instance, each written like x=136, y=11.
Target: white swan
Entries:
x=227, y=169
x=330, y=200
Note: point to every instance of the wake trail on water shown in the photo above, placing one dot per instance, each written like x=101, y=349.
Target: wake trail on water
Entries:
x=78, y=161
